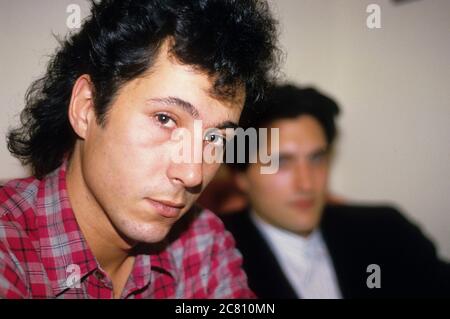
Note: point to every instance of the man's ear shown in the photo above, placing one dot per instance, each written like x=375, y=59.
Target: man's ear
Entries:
x=242, y=181
x=81, y=108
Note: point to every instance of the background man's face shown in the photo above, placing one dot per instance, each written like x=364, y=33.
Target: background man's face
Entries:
x=127, y=164
x=292, y=198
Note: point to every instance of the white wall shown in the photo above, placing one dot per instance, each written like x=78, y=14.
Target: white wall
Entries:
x=393, y=85
x=26, y=41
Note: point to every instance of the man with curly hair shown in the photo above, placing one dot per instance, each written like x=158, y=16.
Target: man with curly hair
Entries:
x=108, y=213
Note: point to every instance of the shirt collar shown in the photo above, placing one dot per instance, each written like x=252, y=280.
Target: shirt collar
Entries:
x=311, y=245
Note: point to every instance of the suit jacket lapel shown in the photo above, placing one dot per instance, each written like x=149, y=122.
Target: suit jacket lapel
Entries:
x=339, y=249
x=264, y=272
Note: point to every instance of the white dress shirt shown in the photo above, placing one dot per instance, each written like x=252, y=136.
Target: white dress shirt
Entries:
x=305, y=262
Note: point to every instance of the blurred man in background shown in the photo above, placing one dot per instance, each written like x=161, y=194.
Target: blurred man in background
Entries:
x=296, y=244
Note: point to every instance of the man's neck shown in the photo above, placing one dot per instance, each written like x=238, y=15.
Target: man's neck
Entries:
x=260, y=219
x=110, y=249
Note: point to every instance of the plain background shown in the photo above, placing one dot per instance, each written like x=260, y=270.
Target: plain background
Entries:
x=393, y=85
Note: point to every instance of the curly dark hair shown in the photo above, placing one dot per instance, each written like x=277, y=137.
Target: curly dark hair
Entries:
x=233, y=40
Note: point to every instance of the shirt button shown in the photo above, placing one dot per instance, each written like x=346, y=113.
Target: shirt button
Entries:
x=99, y=275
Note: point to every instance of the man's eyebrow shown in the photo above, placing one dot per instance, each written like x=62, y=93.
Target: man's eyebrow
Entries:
x=286, y=155
x=172, y=100
x=188, y=107
x=319, y=151
x=226, y=124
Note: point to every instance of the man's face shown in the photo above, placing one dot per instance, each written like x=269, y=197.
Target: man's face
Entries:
x=292, y=198
x=128, y=163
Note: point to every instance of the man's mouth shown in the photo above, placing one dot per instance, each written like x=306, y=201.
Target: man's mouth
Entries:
x=303, y=203
x=166, y=208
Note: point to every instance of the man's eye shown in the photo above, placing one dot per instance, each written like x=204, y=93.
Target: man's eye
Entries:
x=165, y=120
x=318, y=158
x=215, y=138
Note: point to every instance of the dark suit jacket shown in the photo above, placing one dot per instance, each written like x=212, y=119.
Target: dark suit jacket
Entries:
x=356, y=237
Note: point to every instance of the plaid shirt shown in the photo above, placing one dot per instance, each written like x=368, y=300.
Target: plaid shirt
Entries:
x=43, y=253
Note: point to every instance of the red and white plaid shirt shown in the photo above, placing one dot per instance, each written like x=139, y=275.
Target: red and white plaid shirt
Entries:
x=43, y=253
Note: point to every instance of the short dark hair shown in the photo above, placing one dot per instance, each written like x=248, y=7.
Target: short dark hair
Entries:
x=285, y=101
x=232, y=40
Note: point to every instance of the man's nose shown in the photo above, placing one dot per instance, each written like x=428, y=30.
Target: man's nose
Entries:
x=303, y=177
x=190, y=175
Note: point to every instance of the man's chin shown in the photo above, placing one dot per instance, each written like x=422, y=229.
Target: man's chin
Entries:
x=306, y=227
x=306, y=231
x=146, y=233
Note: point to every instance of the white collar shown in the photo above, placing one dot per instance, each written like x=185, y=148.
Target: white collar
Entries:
x=310, y=246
